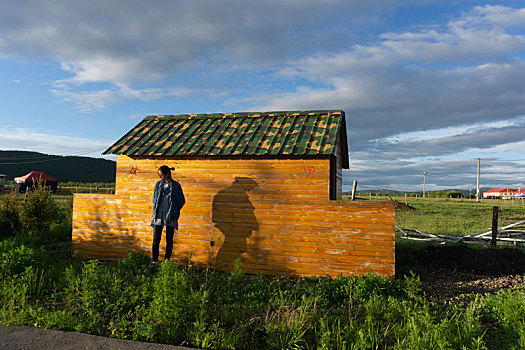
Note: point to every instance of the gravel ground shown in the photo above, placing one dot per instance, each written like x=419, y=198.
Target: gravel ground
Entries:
x=460, y=287
x=28, y=338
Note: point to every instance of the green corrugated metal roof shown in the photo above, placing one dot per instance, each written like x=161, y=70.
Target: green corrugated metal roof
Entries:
x=231, y=134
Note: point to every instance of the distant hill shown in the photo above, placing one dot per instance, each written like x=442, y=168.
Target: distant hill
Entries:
x=63, y=168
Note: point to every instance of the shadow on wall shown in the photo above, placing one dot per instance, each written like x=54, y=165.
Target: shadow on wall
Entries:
x=233, y=214
x=239, y=237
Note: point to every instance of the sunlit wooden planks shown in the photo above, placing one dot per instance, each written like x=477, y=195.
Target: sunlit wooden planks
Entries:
x=274, y=237
x=275, y=178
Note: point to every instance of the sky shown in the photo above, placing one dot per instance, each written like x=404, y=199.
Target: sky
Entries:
x=427, y=86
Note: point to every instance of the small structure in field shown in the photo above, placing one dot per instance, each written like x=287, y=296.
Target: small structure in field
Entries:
x=2, y=182
x=264, y=188
x=310, y=146
x=26, y=182
x=505, y=193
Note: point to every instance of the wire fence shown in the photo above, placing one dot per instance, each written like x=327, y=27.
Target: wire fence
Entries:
x=65, y=190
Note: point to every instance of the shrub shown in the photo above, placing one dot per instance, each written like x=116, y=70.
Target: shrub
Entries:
x=40, y=209
x=92, y=293
x=14, y=259
x=446, y=194
x=9, y=218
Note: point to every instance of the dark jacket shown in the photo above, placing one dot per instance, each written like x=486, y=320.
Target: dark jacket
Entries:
x=176, y=200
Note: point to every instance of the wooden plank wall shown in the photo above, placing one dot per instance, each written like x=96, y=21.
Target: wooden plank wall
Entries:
x=299, y=179
x=273, y=237
x=270, y=216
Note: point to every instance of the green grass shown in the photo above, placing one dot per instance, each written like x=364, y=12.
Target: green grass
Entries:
x=211, y=309
x=457, y=216
x=42, y=286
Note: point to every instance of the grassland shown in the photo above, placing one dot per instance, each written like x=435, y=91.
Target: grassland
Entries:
x=43, y=286
x=457, y=216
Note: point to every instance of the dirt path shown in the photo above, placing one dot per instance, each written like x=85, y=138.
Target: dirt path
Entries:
x=22, y=338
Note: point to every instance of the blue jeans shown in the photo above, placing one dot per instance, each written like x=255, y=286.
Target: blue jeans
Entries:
x=157, y=234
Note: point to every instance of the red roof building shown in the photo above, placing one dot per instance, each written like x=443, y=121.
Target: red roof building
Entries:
x=505, y=193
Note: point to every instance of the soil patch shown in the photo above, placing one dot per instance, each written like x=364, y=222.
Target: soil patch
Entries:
x=458, y=273
x=461, y=258
x=461, y=287
x=403, y=206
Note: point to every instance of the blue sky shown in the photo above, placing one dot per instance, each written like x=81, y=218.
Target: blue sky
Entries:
x=426, y=85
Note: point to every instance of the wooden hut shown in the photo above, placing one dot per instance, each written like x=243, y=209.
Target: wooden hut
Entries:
x=264, y=188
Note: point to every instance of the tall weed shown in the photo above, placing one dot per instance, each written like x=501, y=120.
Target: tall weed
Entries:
x=10, y=223
x=290, y=325
x=40, y=210
x=89, y=293
x=13, y=299
x=173, y=304
x=14, y=259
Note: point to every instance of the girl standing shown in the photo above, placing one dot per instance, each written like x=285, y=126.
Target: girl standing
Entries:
x=168, y=200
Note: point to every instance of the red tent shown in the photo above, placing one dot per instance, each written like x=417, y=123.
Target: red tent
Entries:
x=29, y=180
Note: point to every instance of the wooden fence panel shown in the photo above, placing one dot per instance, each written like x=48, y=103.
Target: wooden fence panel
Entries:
x=295, y=238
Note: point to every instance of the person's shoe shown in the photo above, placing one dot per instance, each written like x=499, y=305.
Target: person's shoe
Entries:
x=153, y=265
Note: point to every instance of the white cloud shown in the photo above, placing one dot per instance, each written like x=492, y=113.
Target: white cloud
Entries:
x=416, y=81
x=493, y=15
x=125, y=42
x=433, y=134
x=515, y=148
x=91, y=101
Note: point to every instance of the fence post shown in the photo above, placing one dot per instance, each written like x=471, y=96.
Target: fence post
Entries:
x=494, y=225
x=354, y=188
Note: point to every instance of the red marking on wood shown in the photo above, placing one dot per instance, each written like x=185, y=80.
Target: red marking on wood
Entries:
x=133, y=170
x=310, y=172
